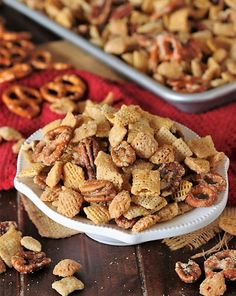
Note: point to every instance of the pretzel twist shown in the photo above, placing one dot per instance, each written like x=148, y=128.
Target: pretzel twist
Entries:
x=41, y=60
x=15, y=72
x=23, y=101
x=67, y=86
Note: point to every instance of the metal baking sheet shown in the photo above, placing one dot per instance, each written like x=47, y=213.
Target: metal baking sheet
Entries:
x=193, y=103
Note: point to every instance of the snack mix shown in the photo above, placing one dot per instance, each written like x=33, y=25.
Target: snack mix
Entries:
x=187, y=45
x=22, y=253
x=122, y=166
x=218, y=268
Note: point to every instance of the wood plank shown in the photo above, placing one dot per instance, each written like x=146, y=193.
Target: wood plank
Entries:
x=10, y=280
x=158, y=264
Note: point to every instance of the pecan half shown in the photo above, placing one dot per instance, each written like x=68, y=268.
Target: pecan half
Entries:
x=87, y=150
x=98, y=190
x=123, y=154
x=188, y=272
x=121, y=11
x=171, y=174
x=5, y=225
x=40, y=179
x=100, y=13
x=27, y=262
x=124, y=223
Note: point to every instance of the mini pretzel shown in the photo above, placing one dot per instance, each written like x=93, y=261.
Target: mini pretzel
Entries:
x=27, y=262
x=41, y=60
x=201, y=196
x=52, y=146
x=52, y=92
x=23, y=101
x=225, y=261
x=68, y=86
x=169, y=47
x=5, y=60
x=15, y=72
x=74, y=86
x=11, y=56
x=17, y=55
x=213, y=180
x=22, y=44
x=11, y=36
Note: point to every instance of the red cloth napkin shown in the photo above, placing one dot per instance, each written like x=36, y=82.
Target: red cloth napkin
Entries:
x=220, y=123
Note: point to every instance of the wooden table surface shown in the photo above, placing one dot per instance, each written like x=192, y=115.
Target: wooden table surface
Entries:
x=146, y=269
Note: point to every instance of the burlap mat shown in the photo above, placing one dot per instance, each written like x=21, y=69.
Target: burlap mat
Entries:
x=45, y=226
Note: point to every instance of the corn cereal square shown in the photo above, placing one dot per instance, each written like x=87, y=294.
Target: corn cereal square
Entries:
x=69, y=202
x=97, y=214
x=116, y=135
x=67, y=285
x=73, y=176
x=127, y=115
x=145, y=182
x=164, y=154
x=120, y=204
x=148, y=202
x=165, y=136
x=181, y=150
x=66, y=267
x=88, y=129
x=106, y=170
x=168, y=212
x=202, y=147
x=135, y=211
x=198, y=165
x=144, y=145
x=145, y=223
x=10, y=245
x=55, y=174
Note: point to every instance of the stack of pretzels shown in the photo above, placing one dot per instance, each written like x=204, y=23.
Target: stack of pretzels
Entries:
x=19, y=58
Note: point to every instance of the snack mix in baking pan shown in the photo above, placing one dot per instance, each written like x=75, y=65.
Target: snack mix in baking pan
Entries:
x=187, y=45
x=122, y=166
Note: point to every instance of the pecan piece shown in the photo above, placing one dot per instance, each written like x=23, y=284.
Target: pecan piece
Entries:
x=28, y=262
x=171, y=174
x=121, y=11
x=124, y=223
x=40, y=179
x=188, y=272
x=123, y=154
x=98, y=190
x=5, y=225
x=100, y=13
x=87, y=150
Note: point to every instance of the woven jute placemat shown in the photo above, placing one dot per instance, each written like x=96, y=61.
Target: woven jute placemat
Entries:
x=45, y=226
x=198, y=238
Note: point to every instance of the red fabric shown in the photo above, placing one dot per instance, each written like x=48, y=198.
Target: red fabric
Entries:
x=220, y=122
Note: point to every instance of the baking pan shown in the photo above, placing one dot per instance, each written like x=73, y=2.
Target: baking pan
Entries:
x=193, y=103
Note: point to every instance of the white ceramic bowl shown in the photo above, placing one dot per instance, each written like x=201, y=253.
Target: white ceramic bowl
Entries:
x=113, y=235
